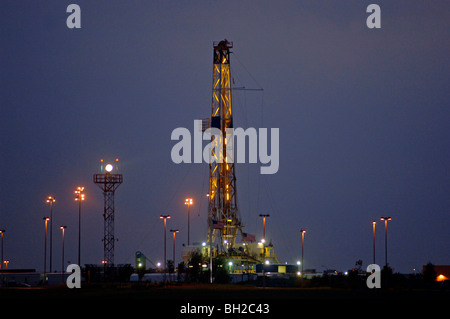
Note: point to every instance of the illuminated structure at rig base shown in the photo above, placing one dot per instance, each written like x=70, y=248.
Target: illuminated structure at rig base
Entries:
x=108, y=183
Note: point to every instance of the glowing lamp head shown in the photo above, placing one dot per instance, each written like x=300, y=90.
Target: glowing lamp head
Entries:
x=109, y=168
x=79, y=193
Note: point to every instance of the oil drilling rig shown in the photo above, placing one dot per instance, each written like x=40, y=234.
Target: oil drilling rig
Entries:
x=223, y=213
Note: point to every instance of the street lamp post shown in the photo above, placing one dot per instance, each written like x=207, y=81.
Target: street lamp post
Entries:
x=174, y=231
x=385, y=238
x=188, y=202
x=2, y=231
x=63, y=228
x=165, y=221
x=46, y=219
x=303, y=231
x=79, y=196
x=51, y=200
x=264, y=224
x=373, y=225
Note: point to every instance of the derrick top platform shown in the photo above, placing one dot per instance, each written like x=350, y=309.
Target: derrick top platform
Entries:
x=222, y=45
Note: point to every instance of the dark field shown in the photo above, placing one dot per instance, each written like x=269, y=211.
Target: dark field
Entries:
x=215, y=301
x=202, y=292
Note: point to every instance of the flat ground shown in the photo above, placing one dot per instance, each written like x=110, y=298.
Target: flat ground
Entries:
x=213, y=293
x=217, y=301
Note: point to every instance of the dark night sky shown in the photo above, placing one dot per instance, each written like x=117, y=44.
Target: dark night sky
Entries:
x=363, y=117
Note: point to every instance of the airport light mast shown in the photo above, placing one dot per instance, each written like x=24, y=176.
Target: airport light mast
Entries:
x=108, y=183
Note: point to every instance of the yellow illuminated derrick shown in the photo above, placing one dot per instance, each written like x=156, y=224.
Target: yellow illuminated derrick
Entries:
x=223, y=209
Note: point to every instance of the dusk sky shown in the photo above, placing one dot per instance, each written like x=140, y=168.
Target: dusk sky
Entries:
x=363, y=116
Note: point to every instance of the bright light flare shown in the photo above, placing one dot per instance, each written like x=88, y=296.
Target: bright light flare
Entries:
x=109, y=168
x=51, y=199
x=79, y=193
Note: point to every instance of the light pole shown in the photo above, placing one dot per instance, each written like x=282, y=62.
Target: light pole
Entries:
x=174, y=231
x=63, y=228
x=165, y=221
x=79, y=196
x=46, y=219
x=188, y=202
x=264, y=224
x=385, y=238
x=373, y=225
x=51, y=200
x=303, y=231
x=2, y=231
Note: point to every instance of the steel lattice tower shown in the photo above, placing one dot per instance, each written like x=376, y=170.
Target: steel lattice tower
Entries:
x=223, y=211
x=108, y=183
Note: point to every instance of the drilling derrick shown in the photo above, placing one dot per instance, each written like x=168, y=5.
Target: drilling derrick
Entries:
x=223, y=216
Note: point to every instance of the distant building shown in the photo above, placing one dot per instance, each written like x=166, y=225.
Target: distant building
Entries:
x=277, y=269
x=19, y=277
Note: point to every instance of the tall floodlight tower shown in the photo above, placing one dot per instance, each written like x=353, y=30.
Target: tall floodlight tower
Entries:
x=108, y=181
x=223, y=217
